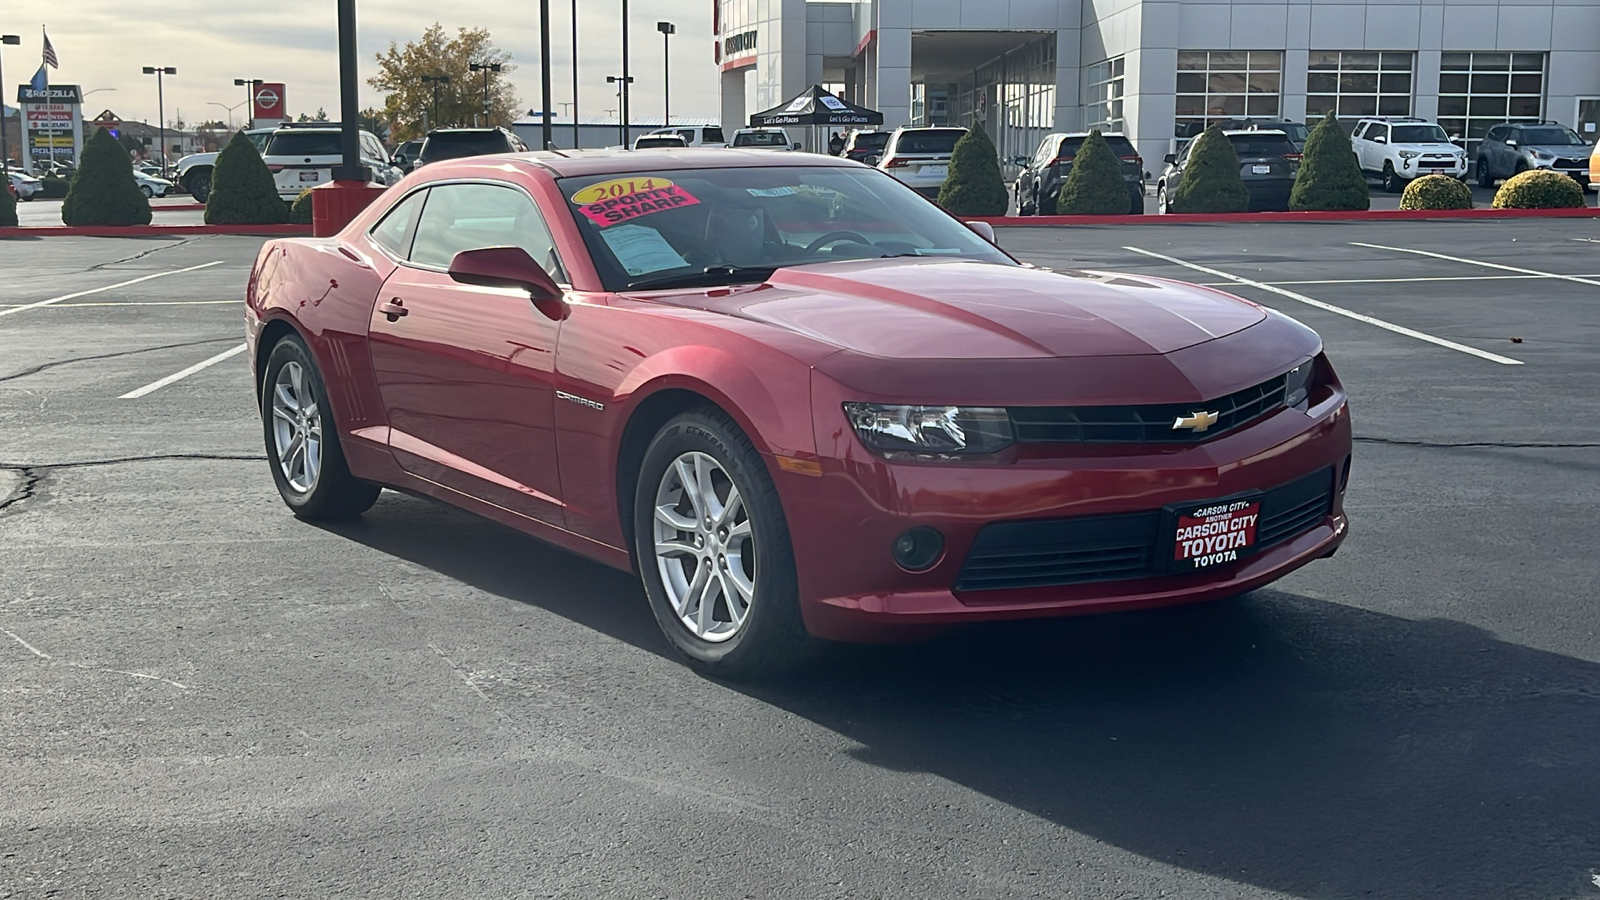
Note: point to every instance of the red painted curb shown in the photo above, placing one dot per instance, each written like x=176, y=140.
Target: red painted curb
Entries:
x=153, y=230
x=1266, y=217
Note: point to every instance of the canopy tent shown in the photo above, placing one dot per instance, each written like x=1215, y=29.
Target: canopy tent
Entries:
x=816, y=107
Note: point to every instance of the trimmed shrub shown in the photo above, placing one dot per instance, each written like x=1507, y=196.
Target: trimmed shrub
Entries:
x=1330, y=175
x=300, y=212
x=1436, y=192
x=8, y=206
x=242, y=189
x=54, y=188
x=104, y=192
x=1094, y=186
x=1539, y=189
x=973, y=186
x=1211, y=182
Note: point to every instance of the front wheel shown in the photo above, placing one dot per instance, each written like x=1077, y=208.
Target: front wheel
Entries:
x=1392, y=182
x=713, y=549
x=199, y=185
x=303, y=447
x=148, y=193
x=1161, y=200
x=1485, y=178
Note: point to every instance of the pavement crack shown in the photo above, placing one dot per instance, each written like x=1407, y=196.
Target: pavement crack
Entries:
x=140, y=255
x=1504, y=445
x=63, y=362
x=31, y=477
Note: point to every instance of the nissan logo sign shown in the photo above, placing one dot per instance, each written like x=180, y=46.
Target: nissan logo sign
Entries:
x=267, y=98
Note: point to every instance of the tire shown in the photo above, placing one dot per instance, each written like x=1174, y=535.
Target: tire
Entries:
x=1392, y=182
x=316, y=483
x=1485, y=178
x=747, y=553
x=198, y=184
x=1161, y=200
x=148, y=193
x=1136, y=203
x=1522, y=166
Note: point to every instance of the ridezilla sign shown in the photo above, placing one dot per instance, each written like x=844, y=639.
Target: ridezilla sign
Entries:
x=52, y=123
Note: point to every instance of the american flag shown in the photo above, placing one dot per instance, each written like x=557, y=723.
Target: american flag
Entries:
x=50, y=58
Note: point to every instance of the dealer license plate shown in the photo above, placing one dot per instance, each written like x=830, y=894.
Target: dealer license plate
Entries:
x=1214, y=534
x=1260, y=170
x=310, y=175
x=935, y=171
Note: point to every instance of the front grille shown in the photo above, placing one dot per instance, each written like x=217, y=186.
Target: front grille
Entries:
x=1143, y=424
x=1089, y=549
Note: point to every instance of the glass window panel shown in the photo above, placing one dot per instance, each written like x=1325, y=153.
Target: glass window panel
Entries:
x=1266, y=59
x=1318, y=106
x=1395, y=83
x=1359, y=60
x=1527, y=62
x=1452, y=106
x=1322, y=82
x=1527, y=84
x=1114, y=89
x=1358, y=82
x=1228, y=105
x=1117, y=67
x=1526, y=108
x=1191, y=82
x=1262, y=105
x=1323, y=59
x=1453, y=126
x=1264, y=82
x=1491, y=84
x=1229, y=59
x=1455, y=62
x=1354, y=106
x=1452, y=84
x=1226, y=82
x=1394, y=106
x=1191, y=59
x=1487, y=106
x=1396, y=62
x=1191, y=105
x=1476, y=128
x=1491, y=62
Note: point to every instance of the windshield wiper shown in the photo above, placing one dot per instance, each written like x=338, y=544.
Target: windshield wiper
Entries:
x=710, y=276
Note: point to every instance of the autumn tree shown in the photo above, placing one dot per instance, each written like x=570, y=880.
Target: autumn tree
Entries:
x=408, y=97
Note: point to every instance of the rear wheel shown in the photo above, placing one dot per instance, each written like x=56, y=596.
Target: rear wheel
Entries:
x=303, y=447
x=199, y=184
x=1392, y=182
x=713, y=549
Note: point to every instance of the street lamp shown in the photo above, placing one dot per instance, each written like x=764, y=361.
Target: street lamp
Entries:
x=574, y=75
x=626, y=79
x=486, y=69
x=161, y=109
x=230, y=110
x=5, y=155
x=667, y=30
x=622, y=83
x=249, y=85
x=435, y=80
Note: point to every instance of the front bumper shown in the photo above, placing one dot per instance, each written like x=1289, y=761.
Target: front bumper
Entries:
x=844, y=524
x=1416, y=168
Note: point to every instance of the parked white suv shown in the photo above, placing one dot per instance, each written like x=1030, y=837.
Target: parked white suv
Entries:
x=304, y=156
x=920, y=157
x=1398, y=149
x=761, y=139
x=194, y=170
x=698, y=135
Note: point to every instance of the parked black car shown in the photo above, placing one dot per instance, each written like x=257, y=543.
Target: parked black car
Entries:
x=455, y=143
x=1044, y=173
x=1268, y=164
x=862, y=145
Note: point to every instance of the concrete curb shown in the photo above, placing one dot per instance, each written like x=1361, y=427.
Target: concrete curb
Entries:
x=1273, y=217
x=152, y=230
x=177, y=207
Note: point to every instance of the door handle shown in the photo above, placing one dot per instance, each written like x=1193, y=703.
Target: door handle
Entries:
x=394, y=309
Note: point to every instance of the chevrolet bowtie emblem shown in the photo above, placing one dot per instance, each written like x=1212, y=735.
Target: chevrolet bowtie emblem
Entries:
x=1195, y=421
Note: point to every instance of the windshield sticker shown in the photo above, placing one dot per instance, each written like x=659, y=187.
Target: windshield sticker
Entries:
x=614, y=202
x=771, y=192
x=642, y=250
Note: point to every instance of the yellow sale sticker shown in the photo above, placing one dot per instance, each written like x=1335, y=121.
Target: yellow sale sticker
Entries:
x=618, y=188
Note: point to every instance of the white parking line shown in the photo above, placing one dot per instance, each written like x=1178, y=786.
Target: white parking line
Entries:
x=1477, y=262
x=100, y=290
x=154, y=386
x=1337, y=310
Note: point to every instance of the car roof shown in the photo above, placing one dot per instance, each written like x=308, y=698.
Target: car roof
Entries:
x=465, y=131
x=1084, y=134
x=579, y=163
x=1254, y=131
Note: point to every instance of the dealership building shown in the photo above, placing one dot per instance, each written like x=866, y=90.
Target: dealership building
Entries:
x=1158, y=70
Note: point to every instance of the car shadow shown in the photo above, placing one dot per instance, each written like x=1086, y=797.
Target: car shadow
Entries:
x=1277, y=740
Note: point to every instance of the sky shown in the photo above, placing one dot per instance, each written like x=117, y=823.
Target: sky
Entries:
x=104, y=44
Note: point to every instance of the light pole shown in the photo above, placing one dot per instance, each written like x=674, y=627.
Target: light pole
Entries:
x=626, y=79
x=667, y=30
x=574, y=74
x=161, y=109
x=349, y=99
x=230, y=110
x=434, y=80
x=544, y=71
x=249, y=85
x=622, y=83
x=5, y=154
x=486, y=69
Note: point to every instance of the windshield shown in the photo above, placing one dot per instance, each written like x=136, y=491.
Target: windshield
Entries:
x=1261, y=145
x=1552, y=137
x=761, y=139
x=707, y=227
x=304, y=143
x=464, y=143
x=870, y=140
x=1418, y=134
x=941, y=141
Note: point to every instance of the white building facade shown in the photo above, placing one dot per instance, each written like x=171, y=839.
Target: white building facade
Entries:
x=1161, y=69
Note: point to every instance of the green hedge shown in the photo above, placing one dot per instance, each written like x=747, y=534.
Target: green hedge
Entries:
x=1539, y=189
x=104, y=191
x=1094, y=186
x=1211, y=182
x=973, y=186
x=1330, y=176
x=8, y=207
x=242, y=188
x=1436, y=192
x=54, y=188
x=300, y=212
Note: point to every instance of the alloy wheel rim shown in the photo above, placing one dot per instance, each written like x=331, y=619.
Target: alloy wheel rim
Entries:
x=704, y=547
x=296, y=428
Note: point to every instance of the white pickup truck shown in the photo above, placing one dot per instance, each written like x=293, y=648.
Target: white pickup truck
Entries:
x=194, y=171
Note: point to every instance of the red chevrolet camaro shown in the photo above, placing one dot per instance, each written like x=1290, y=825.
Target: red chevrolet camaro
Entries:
x=795, y=397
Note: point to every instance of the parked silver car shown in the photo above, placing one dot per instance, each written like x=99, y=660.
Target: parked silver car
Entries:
x=1517, y=147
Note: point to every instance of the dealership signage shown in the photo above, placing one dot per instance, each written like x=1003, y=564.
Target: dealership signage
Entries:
x=267, y=104
x=52, y=123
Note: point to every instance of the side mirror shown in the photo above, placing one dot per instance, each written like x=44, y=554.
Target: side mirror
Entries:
x=983, y=230
x=1380, y=139
x=794, y=146
x=509, y=267
x=1019, y=160
x=1509, y=143
x=873, y=160
x=1171, y=159
x=399, y=160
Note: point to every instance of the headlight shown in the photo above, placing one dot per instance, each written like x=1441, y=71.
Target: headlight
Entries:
x=1543, y=156
x=1409, y=154
x=1297, y=384
x=931, y=430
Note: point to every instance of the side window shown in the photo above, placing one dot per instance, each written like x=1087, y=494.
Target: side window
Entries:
x=395, y=231
x=370, y=148
x=1514, y=134
x=1497, y=133
x=1045, y=153
x=1361, y=131
x=473, y=216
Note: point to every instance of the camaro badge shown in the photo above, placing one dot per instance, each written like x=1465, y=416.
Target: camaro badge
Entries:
x=1196, y=421
x=581, y=401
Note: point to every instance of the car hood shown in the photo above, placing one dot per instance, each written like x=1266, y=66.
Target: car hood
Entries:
x=1430, y=147
x=1572, y=151
x=950, y=309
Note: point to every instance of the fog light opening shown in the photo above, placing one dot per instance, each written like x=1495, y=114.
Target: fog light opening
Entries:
x=919, y=549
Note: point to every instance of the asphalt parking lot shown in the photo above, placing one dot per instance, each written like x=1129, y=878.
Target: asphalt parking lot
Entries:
x=202, y=697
